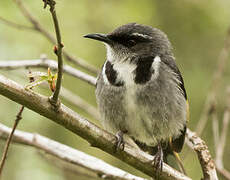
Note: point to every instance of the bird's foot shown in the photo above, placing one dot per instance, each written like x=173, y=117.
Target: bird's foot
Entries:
x=120, y=144
x=158, y=158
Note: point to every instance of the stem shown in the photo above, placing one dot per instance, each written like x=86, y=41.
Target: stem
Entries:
x=56, y=93
x=45, y=63
x=6, y=148
x=39, y=28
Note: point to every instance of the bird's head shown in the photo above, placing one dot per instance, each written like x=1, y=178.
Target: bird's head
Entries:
x=131, y=40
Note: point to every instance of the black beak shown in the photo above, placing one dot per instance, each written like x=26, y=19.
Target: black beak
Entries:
x=99, y=37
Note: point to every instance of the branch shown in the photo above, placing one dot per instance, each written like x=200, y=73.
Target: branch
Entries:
x=45, y=63
x=58, y=51
x=39, y=28
x=79, y=102
x=10, y=135
x=215, y=128
x=15, y=25
x=221, y=141
x=96, y=136
x=224, y=172
x=68, y=154
x=9, y=138
x=210, y=100
x=66, y=94
x=206, y=161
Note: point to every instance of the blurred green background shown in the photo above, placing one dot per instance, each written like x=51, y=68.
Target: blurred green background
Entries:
x=197, y=30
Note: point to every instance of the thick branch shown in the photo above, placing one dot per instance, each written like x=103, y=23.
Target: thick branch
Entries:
x=68, y=154
x=80, y=126
x=206, y=161
x=45, y=63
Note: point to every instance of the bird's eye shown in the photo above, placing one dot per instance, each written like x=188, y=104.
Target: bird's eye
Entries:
x=131, y=42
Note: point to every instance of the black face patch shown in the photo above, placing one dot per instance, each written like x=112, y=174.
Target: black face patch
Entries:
x=127, y=39
x=143, y=72
x=111, y=75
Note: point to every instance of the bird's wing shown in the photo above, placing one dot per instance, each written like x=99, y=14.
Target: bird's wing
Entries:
x=170, y=62
x=177, y=144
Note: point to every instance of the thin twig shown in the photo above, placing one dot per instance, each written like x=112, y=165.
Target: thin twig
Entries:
x=96, y=136
x=18, y=118
x=15, y=25
x=204, y=156
x=68, y=154
x=224, y=173
x=58, y=51
x=5, y=152
x=215, y=128
x=39, y=28
x=222, y=139
x=211, y=95
x=45, y=63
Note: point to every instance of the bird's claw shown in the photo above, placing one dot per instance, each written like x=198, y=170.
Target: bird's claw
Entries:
x=120, y=144
x=158, y=159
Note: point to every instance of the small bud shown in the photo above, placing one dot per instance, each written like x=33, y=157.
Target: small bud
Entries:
x=52, y=86
x=55, y=49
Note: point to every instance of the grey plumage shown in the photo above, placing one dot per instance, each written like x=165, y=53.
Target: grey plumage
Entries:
x=142, y=93
x=158, y=111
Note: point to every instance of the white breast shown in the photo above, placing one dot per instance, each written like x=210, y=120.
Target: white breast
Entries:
x=125, y=72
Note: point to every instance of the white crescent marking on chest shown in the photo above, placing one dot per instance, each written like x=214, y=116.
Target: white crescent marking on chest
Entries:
x=156, y=66
x=125, y=72
x=106, y=81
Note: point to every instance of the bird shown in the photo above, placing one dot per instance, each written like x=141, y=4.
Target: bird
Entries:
x=140, y=91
